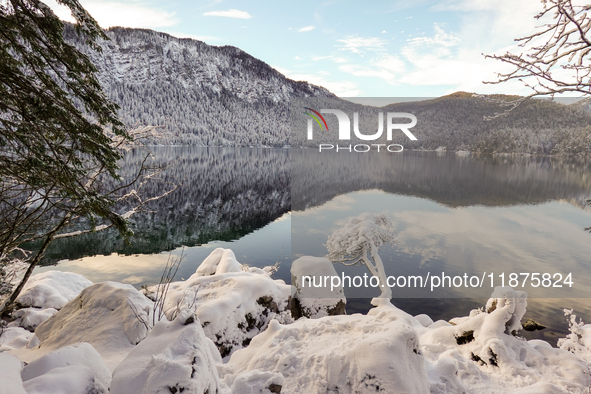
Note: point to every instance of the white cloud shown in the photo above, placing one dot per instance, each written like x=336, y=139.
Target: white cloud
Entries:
x=385, y=68
x=390, y=63
x=307, y=28
x=233, y=13
x=126, y=14
x=456, y=59
x=358, y=44
x=340, y=88
x=333, y=58
x=441, y=38
x=365, y=71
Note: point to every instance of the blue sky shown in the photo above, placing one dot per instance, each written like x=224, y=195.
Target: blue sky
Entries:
x=418, y=48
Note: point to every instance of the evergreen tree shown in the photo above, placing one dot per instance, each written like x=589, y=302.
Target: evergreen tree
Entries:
x=58, y=133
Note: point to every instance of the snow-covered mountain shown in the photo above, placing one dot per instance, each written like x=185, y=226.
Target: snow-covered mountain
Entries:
x=202, y=94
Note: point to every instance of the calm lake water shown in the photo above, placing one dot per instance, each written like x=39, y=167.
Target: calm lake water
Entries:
x=451, y=214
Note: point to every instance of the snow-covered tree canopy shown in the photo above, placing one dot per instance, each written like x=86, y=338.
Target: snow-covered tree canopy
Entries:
x=362, y=234
x=358, y=242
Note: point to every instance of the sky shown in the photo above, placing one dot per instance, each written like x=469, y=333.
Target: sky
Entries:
x=419, y=48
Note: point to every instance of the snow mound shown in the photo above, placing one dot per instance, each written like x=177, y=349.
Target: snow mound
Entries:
x=339, y=354
x=220, y=261
x=484, y=353
x=14, y=338
x=255, y=382
x=52, y=289
x=30, y=318
x=10, y=375
x=233, y=307
x=76, y=369
x=315, y=301
x=174, y=358
x=104, y=315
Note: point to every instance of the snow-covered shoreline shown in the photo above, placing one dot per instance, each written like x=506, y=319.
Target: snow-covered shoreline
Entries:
x=230, y=329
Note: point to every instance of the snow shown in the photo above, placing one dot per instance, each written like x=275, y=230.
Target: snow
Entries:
x=103, y=315
x=344, y=354
x=30, y=318
x=219, y=261
x=321, y=301
x=232, y=306
x=14, y=338
x=487, y=357
x=254, y=382
x=75, y=369
x=10, y=377
x=175, y=355
x=228, y=330
x=52, y=289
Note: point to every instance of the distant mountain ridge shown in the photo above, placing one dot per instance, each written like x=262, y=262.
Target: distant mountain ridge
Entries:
x=204, y=95
x=458, y=122
x=221, y=96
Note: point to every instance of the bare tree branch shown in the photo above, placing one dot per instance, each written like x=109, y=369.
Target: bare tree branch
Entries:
x=556, y=59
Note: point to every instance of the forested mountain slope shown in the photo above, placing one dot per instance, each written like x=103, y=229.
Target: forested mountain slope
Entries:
x=203, y=95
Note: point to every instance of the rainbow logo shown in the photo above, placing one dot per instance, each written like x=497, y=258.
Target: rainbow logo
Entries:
x=315, y=118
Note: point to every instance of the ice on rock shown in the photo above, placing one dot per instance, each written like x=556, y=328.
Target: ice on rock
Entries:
x=52, y=289
x=104, y=315
x=232, y=306
x=310, y=301
x=10, y=375
x=378, y=352
x=174, y=358
x=75, y=369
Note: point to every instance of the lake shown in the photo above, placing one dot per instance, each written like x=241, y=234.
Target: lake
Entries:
x=453, y=214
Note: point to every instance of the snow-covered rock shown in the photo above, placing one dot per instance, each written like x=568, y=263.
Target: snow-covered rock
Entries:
x=30, y=318
x=481, y=353
x=14, y=338
x=378, y=352
x=232, y=307
x=10, y=375
x=175, y=357
x=220, y=261
x=312, y=297
x=75, y=369
x=256, y=382
x=52, y=289
x=104, y=315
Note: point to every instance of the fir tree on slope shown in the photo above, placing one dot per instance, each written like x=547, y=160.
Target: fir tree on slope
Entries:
x=55, y=158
